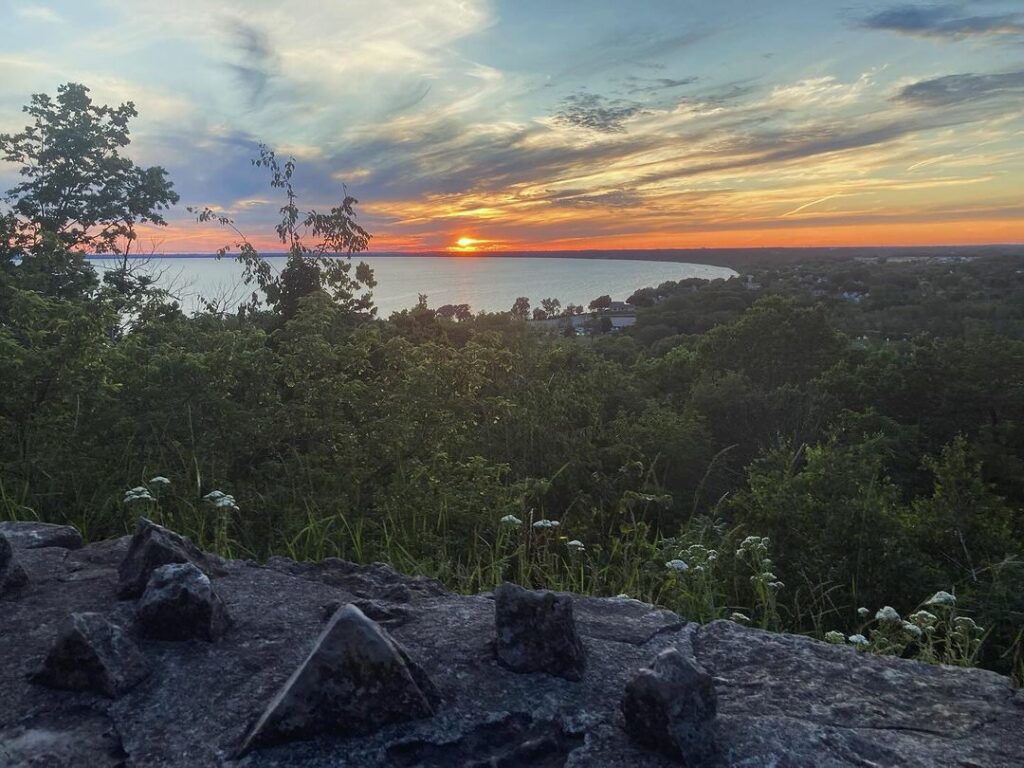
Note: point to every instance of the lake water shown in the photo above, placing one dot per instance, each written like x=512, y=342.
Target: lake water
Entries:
x=490, y=283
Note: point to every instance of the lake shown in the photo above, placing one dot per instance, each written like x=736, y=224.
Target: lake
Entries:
x=490, y=283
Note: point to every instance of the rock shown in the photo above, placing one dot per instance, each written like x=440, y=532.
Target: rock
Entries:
x=671, y=706
x=536, y=632
x=33, y=535
x=12, y=575
x=153, y=546
x=179, y=604
x=355, y=681
x=782, y=700
x=91, y=654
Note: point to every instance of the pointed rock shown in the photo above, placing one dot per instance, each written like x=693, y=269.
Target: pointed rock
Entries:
x=12, y=575
x=536, y=632
x=91, y=654
x=355, y=681
x=179, y=603
x=153, y=546
x=32, y=535
x=672, y=706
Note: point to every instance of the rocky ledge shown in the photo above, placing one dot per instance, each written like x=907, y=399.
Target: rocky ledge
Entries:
x=143, y=651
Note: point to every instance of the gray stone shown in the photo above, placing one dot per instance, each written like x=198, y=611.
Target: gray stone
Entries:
x=34, y=535
x=12, y=575
x=355, y=681
x=153, y=546
x=671, y=706
x=536, y=632
x=179, y=604
x=91, y=654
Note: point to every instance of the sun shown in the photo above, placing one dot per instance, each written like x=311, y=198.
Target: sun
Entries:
x=466, y=243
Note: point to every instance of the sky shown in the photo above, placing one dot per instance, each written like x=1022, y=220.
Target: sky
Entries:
x=563, y=124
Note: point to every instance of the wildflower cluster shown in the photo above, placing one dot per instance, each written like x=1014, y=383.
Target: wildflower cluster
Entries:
x=754, y=551
x=221, y=500
x=138, y=493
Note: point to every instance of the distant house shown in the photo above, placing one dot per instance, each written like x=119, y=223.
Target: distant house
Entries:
x=620, y=306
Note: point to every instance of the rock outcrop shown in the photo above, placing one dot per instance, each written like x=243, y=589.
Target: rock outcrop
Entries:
x=91, y=654
x=12, y=575
x=179, y=603
x=782, y=700
x=536, y=632
x=355, y=681
x=153, y=546
x=33, y=535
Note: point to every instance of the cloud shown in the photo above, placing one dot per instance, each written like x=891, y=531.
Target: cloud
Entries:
x=648, y=85
x=257, y=60
x=38, y=13
x=956, y=90
x=943, y=21
x=595, y=112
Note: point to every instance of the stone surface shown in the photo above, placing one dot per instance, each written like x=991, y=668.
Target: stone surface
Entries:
x=33, y=535
x=153, y=546
x=536, y=632
x=671, y=706
x=12, y=575
x=355, y=681
x=179, y=604
x=782, y=700
x=91, y=654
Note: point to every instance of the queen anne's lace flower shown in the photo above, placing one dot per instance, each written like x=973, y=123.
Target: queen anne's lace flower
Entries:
x=511, y=520
x=543, y=523
x=912, y=629
x=739, y=618
x=677, y=565
x=159, y=480
x=138, y=493
x=858, y=640
x=941, y=598
x=863, y=612
x=836, y=638
x=576, y=545
x=888, y=613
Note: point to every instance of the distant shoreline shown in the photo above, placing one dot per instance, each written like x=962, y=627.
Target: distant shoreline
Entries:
x=726, y=257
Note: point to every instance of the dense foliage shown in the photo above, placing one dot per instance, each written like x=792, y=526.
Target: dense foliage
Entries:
x=790, y=446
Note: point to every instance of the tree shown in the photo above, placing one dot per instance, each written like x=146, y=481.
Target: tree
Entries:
x=309, y=268
x=601, y=302
x=552, y=307
x=521, y=308
x=78, y=191
x=539, y=314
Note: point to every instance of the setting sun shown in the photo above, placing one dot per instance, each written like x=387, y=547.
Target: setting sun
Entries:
x=466, y=244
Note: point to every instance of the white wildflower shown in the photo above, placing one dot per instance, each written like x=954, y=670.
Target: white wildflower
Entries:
x=888, y=613
x=576, y=545
x=543, y=523
x=623, y=596
x=221, y=500
x=836, y=638
x=677, y=565
x=923, y=618
x=137, y=493
x=858, y=640
x=511, y=520
x=739, y=618
x=863, y=612
x=213, y=495
x=159, y=480
x=941, y=598
x=912, y=629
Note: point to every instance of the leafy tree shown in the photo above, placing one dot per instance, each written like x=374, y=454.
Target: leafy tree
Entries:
x=78, y=191
x=310, y=267
x=552, y=307
x=601, y=302
x=521, y=308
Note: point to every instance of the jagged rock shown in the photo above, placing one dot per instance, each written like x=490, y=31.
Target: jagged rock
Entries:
x=536, y=632
x=354, y=681
x=33, y=535
x=91, y=654
x=12, y=575
x=671, y=706
x=153, y=546
x=179, y=603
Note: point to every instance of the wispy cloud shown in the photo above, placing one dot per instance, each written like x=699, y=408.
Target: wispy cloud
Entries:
x=597, y=113
x=957, y=90
x=944, y=21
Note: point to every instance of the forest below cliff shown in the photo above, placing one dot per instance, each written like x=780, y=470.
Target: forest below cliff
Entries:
x=814, y=446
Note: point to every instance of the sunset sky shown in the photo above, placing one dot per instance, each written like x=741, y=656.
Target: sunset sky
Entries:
x=561, y=124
